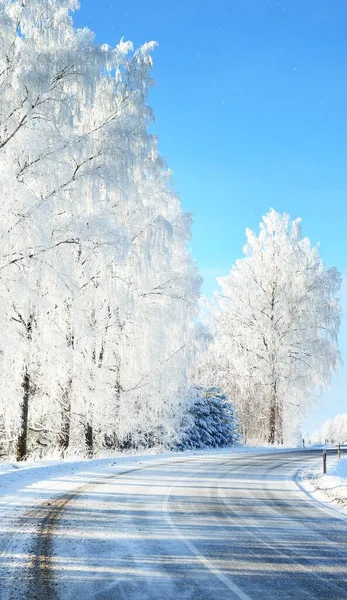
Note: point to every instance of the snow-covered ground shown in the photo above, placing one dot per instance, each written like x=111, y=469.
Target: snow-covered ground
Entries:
x=332, y=487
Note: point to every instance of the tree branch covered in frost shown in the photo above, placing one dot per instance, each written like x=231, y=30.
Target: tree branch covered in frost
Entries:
x=98, y=292
x=275, y=330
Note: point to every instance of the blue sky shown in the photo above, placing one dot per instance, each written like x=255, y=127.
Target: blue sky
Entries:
x=250, y=107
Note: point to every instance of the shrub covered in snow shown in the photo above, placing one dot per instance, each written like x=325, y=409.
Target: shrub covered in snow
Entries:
x=213, y=421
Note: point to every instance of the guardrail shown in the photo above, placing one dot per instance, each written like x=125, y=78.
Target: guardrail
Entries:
x=339, y=450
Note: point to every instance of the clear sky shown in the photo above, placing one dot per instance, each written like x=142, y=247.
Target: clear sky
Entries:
x=250, y=108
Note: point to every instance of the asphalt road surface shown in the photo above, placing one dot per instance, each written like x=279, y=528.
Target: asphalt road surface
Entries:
x=213, y=527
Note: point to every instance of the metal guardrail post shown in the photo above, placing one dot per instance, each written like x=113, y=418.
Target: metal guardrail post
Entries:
x=324, y=462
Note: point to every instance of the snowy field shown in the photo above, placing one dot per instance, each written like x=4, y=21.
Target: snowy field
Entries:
x=330, y=488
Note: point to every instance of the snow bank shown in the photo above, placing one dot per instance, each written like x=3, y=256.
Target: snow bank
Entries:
x=331, y=487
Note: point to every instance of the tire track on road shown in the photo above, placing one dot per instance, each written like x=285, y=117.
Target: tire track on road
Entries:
x=41, y=584
x=279, y=548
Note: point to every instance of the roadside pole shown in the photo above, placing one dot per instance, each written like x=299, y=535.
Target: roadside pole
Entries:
x=324, y=462
x=339, y=450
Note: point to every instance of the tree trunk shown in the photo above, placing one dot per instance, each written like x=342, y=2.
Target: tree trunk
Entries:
x=117, y=387
x=273, y=415
x=23, y=436
x=64, y=436
x=272, y=423
x=89, y=440
x=279, y=431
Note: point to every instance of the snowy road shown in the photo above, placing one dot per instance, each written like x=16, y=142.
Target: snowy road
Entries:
x=206, y=527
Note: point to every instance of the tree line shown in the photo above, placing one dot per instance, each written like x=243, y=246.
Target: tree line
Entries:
x=98, y=291
x=333, y=431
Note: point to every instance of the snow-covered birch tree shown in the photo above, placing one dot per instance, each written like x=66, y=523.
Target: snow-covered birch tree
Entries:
x=276, y=322
x=98, y=290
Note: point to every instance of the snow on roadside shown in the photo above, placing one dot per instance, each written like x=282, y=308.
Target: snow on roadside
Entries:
x=331, y=487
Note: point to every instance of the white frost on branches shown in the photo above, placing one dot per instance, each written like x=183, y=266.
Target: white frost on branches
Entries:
x=333, y=431
x=98, y=293
x=276, y=322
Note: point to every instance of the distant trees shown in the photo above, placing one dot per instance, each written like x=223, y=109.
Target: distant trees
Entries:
x=333, y=431
x=98, y=293
x=275, y=323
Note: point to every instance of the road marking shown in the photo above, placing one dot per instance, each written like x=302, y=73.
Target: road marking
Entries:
x=281, y=552
x=203, y=559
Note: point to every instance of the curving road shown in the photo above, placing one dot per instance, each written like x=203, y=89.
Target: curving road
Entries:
x=211, y=527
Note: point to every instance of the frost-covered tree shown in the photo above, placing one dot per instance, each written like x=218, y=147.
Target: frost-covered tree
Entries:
x=212, y=421
x=98, y=290
x=48, y=76
x=276, y=322
x=333, y=431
